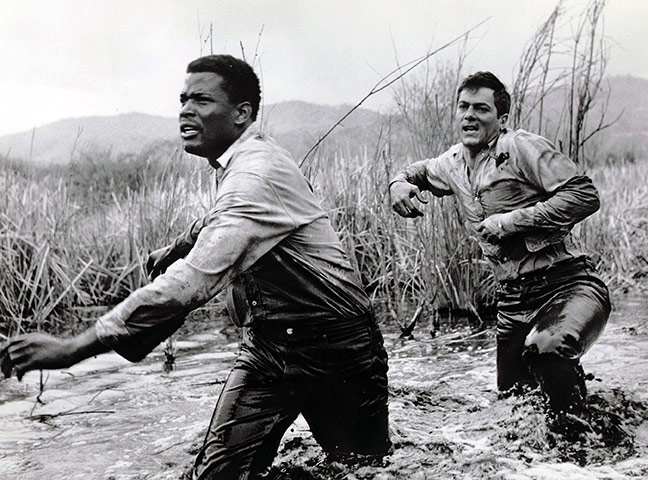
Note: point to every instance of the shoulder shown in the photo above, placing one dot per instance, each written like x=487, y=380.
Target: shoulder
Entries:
x=261, y=163
x=449, y=163
x=453, y=152
x=262, y=155
x=521, y=139
x=448, y=159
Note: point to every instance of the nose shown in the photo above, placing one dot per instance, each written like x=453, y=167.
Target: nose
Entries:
x=470, y=112
x=186, y=110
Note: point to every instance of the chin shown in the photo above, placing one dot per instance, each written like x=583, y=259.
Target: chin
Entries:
x=472, y=142
x=193, y=149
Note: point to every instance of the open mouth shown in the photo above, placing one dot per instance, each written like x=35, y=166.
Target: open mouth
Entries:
x=188, y=131
x=470, y=128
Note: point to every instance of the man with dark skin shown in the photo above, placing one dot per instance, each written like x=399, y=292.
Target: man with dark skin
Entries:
x=520, y=198
x=309, y=344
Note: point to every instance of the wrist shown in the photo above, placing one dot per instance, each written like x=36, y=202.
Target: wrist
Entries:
x=82, y=346
x=398, y=179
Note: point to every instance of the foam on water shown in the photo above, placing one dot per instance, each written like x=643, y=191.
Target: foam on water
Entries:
x=107, y=418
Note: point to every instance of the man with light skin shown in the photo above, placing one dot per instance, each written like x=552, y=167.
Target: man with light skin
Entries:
x=309, y=343
x=520, y=198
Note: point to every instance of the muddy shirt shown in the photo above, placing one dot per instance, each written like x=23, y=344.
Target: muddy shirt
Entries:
x=266, y=239
x=522, y=176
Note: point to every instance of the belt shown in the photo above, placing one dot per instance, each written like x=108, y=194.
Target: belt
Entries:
x=554, y=274
x=308, y=330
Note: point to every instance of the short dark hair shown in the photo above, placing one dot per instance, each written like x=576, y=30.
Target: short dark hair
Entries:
x=488, y=80
x=240, y=83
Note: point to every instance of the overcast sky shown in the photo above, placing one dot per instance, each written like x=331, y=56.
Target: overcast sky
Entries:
x=72, y=58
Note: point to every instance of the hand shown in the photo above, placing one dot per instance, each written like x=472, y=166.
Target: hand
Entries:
x=158, y=261
x=34, y=351
x=492, y=228
x=405, y=199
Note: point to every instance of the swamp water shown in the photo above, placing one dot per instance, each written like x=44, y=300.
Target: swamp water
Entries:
x=109, y=419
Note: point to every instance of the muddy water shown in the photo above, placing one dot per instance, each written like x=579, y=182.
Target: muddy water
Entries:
x=108, y=419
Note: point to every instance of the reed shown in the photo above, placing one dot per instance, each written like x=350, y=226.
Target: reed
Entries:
x=618, y=234
x=67, y=247
x=74, y=238
x=62, y=258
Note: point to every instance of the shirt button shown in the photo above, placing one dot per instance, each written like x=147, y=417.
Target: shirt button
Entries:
x=289, y=331
x=254, y=303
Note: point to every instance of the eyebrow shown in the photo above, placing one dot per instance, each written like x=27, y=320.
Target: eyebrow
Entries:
x=185, y=95
x=476, y=104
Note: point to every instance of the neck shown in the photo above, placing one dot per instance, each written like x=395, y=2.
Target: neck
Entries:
x=215, y=155
x=472, y=152
x=470, y=155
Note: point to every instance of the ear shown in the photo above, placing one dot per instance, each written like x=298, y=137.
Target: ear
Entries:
x=243, y=113
x=503, y=119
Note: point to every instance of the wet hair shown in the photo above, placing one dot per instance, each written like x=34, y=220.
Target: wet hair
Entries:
x=488, y=80
x=240, y=83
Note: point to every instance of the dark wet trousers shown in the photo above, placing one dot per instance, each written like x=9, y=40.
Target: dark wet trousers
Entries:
x=545, y=322
x=335, y=375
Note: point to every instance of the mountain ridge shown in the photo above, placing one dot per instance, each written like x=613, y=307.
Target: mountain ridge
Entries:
x=297, y=125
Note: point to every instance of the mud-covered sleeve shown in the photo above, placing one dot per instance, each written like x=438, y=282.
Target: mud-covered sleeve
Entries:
x=248, y=220
x=426, y=175
x=570, y=196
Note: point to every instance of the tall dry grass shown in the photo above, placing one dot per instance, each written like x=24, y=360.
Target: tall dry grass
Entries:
x=617, y=235
x=60, y=258
x=76, y=238
x=71, y=241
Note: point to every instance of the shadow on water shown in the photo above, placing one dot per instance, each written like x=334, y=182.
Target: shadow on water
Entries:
x=108, y=419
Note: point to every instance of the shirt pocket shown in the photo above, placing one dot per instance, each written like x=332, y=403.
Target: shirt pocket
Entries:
x=506, y=195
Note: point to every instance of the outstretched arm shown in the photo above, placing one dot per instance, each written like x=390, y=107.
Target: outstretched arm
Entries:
x=406, y=189
x=36, y=351
x=162, y=258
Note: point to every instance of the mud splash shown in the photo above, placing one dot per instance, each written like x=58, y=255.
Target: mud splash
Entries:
x=448, y=423
x=109, y=419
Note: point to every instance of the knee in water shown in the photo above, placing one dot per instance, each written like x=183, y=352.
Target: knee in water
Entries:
x=562, y=343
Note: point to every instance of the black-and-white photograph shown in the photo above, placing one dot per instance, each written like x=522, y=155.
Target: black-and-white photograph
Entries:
x=323, y=240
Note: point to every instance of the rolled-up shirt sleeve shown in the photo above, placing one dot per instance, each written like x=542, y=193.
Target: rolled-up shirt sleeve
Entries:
x=248, y=220
x=571, y=197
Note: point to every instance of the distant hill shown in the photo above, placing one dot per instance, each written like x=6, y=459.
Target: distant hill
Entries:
x=296, y=125
x=57, y=142
x=625, y=111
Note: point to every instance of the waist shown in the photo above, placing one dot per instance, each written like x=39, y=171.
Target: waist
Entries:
x=550, y=275
x=310, y=329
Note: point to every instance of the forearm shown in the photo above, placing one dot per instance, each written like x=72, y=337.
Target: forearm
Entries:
x=414, y=174
x=152, y=313
x=84, y=345
x=570, y=204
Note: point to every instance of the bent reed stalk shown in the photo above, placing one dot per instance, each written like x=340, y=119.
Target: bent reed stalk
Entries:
x=76, y=237
x=61, y=259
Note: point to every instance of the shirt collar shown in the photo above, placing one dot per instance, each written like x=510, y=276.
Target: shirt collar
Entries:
x=225, y=158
